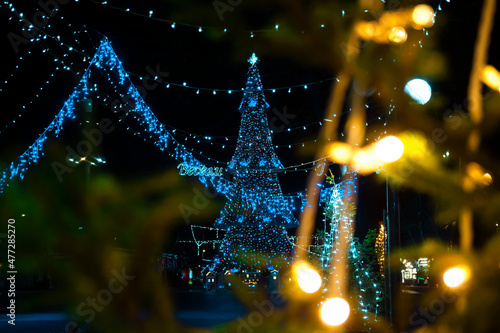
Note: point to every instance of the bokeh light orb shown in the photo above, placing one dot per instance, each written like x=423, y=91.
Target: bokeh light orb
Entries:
x=419, y=90
x=389, y=149
x=335, y=311
x=423, y=16
x=491, y=77
x=308, y=278
x=487, y=179
x=398, y=35
x=340, y=152
x=455, y=276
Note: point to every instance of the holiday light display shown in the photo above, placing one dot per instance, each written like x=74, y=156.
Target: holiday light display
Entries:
x=338, y=221
x=107, y=63
x=256, y=235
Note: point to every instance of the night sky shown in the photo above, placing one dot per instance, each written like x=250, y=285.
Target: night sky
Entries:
x=202, y=61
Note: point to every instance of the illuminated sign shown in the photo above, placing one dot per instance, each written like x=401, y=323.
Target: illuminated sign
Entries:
x=185, y=170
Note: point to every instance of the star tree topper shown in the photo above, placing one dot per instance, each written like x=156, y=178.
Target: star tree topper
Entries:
x=253, y=59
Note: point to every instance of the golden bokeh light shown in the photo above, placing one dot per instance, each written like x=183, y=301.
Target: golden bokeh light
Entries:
x=335, y=311
x=389, y=149
x=307, y=277
x=456, y=276
x=365, y=160
x=340, y=152
x=366, y=30
x=491, y=77
x=487, y=179
x=423, y=16
x=398, y=35
x=477, y=175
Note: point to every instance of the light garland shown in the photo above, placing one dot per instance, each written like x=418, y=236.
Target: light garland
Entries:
x=198, y=28
x=339, y=214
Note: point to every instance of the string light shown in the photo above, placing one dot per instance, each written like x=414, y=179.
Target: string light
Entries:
x=251, y=32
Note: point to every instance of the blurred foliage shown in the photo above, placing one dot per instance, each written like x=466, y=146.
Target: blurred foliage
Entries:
x=471, y=307
x=82, y=234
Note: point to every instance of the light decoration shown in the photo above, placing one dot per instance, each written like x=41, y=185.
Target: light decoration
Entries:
x=391, y=26
x=486, y=179
x=369, y=158
x=491, y=77
x=475, y=176
x=419, y=90
x=456, y=276
x=335, y=311
x=398, y=35
x=381, y=248
x=389, y=149
x=307, y=277
x=338, y=220
x=423, y=16
x=256, y=235
x=61, y=62
x=251, y=198
x=31, y=156
x=106, y=60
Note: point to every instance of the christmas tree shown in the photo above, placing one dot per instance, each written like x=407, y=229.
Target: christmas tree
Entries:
x=257, y=216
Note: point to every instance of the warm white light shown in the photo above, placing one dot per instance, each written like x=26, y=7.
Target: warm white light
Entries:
x=365, y=160
x=308, y=278
x=419, y=90
x=423, y=16
x=491, y=77
x=389, y=149
x=335, y=311
x=455, y=276
x=398, y=35
x=340, y=152
x=487, y=179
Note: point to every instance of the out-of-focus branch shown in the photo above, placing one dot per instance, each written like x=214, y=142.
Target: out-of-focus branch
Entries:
x=476, y=110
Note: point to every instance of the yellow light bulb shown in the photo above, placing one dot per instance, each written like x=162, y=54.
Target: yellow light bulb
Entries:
x=389, y=149
x=423, y=16
x=455, y=276
x=308, y=278
x=398, y=35
x=335, y=311
x=491, y=77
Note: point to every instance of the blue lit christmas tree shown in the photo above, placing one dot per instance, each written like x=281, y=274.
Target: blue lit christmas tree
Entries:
x=257, y=216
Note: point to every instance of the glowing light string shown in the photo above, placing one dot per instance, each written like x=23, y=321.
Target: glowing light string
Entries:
x=200, y=28
x=35, y=151
x=37, y=94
